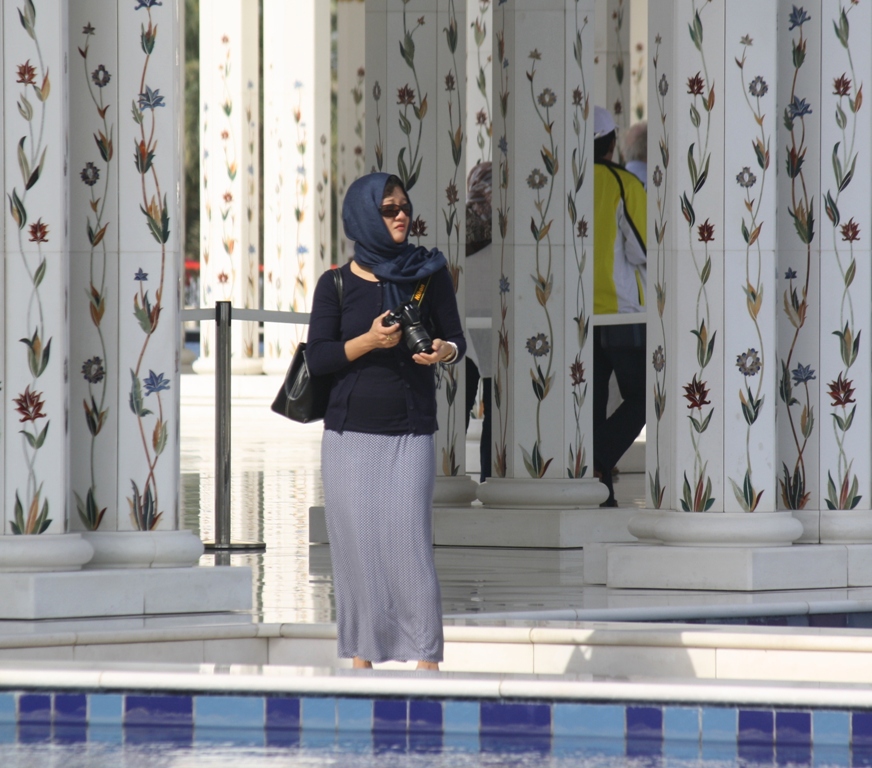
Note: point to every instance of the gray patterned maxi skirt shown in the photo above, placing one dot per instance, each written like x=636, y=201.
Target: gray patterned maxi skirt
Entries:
x=378, y=496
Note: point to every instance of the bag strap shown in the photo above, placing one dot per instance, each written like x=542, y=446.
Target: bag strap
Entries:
x=337, y=279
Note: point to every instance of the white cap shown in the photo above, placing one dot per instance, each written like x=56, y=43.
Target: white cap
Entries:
x=603, y=122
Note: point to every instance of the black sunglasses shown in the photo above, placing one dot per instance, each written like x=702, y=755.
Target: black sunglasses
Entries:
x=391, y=211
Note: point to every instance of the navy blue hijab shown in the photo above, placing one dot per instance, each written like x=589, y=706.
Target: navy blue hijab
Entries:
x=399, y=265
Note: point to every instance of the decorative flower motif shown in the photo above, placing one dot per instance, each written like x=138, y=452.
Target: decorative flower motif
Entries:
x=418, y=228
x=547, y=98
x=758, y=87
x=746, y=40
x=842, y=390
x=798, y=17
x=535, y=55
x=802, y=374
x=155, y=382
x=798, y=108
x=101, y=76
x=658, y=359
x=576, y=372
x=38, y=232
x=503, y=145
x=657, y=176
x=504, y=284
x=302, y=250
x=706, y=232
x=696, y=393
x=582, y=228
x=538, y=345
x=88, y=29
x=376, y=91
x=361, y=72
x=26, y=74
x=151, y=99
x=421, y=21
x=228, y=197
x=29, y=405
x=695, y=85
x=790, y=274
x=358, y=150
x=663, y=85
x=225, y=135
x=90, y=174
x=141, y=276
x=450, y=82
x=150, y=4
x=481, y=117
x=406, y=95
x=93, y=371
x=749, y=362
x=451, y=193
x=577, y=96
x=745, y=178
x=618, y=107
x=841, y=85
x=850, y=231
x=223, y=277
x=537, y=179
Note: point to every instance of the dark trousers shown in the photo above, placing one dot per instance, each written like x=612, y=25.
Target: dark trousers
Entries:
x=619, y=350
x=472, y=379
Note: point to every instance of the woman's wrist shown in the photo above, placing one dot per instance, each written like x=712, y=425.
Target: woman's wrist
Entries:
x=452, y=358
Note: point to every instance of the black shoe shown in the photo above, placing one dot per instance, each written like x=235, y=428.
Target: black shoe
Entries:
x=610, y=503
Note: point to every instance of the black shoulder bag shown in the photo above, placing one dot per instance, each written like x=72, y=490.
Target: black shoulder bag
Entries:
x=304, y=397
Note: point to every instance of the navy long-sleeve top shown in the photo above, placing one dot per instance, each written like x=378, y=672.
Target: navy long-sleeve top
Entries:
x=385, y=391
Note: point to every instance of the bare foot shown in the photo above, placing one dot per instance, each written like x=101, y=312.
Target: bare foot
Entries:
x=358, y=663
x=431, y=665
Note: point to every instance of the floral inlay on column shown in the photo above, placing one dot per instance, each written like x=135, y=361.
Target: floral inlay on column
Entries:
x=577, y=466
x=540, y=345
x=502, y=380
x=660, y=180
x=842, y=491
x=227, y=276
x=484, y=123
x=801, y=210
x=409, y=170
x=90, y=510
x=698, y=496
x=379, y=145
x=447, y=378
x=301, y=190
x=31, y=158
x=618, y=66
x=145, y=509
x=323, y=189
x=637, y=75
x=752, y=362
x=357, y=150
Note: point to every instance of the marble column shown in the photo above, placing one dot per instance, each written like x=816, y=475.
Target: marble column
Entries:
x=613, y=59
x=479, y=81
x=229, y=139
x=350, y=108
x=296, y=67
x=824, y=270
x=416, y=127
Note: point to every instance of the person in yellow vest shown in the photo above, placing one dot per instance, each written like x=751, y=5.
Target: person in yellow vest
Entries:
x=620, y=260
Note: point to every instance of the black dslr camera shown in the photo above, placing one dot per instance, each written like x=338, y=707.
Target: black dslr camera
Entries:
x=408, y=318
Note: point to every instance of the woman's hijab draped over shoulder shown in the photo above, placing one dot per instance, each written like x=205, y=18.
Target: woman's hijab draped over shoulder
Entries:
x=400, y=265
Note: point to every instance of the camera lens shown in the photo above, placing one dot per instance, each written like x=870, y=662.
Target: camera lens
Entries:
x=418, y=340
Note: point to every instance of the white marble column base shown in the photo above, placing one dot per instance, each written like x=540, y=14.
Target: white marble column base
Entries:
x=143, y=549
x=131, y=592
x=835, y=526
x=48, y=552
x=514, y=493
x=246, y=366
x=454, y=491
x=531, y=528
x=740, y=569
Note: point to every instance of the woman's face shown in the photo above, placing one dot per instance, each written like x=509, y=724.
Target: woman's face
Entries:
x=398, y=225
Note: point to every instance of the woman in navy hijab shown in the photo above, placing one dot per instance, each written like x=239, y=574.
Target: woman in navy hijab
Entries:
x=377, y=455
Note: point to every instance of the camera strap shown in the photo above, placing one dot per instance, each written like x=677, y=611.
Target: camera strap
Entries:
x=418, y=295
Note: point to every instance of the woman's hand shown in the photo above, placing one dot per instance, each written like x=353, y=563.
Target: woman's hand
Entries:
x=377, y=337
x=443, y=352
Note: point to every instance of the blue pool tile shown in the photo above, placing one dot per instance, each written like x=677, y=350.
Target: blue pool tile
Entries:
x=105, y=709
x=8, y=733
x=165, y=735
x=861, y=729
x=510, y=745
x=354, y=714
x=861, y=756
x=515, y=719
x=425, y=743
x=70, y=709
x=7, y=708
x=174, y=711
x=720, y=751
x=34, y=734
x=756, y=753
x=586, y=750
x=719, y=724
x=390, y=742
x=425, y=716
x=283, y=713
x=756, y=726
x=644, y=723
x=70, y=734
x=229, y=712
x=318, y=738
x=229, y=736
x=589, y=720
x=461, y=717
x=681, y=750
x=34, y=708
x=793, y=728
x=830, y=755
x=318, y=713
x=792, y=754
x=644, y=748
x=681, y=723
x=390, y=715
x=282, y=738
x=831, y=728
x=106, y=734
x=464, y=743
